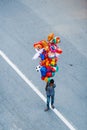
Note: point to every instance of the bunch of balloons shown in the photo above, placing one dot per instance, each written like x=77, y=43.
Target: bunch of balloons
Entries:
x=48, y=52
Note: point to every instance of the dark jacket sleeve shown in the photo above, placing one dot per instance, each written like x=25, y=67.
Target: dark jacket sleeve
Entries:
x=46, y=86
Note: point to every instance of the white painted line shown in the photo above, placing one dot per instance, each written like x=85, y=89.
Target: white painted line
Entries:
x=30, y=84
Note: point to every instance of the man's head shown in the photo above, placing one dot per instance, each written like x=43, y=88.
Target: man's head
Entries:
x=52, y=81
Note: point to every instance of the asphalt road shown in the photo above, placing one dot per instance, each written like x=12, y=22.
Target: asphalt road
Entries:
x=23, y=22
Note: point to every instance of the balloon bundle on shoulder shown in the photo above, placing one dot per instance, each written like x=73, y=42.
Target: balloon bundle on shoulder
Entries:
x=48, y=52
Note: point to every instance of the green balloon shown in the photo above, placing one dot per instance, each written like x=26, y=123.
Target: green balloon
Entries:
x=57, y=68
x=54, y=40
x=53, y=74
x=49, y=79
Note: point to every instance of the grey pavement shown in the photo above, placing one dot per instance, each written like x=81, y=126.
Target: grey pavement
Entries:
x=23, y=22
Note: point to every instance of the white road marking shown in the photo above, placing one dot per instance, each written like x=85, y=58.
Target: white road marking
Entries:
x=30, y=84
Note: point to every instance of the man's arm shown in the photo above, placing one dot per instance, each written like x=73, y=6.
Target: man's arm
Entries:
x=46, y=86
x=54, y=85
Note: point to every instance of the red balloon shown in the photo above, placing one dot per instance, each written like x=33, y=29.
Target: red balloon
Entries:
x=42, y=78
x=49, y=74
x=52, y=69
x=59, y=51
x=48, y=68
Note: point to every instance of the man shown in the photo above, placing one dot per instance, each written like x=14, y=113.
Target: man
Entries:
x=50, y=92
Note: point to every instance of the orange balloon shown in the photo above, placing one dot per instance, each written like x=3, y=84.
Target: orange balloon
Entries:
x=46, y=79
x=50, y=36
x=38, y=45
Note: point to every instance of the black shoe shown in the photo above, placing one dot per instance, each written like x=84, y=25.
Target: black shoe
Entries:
x=46, y=109
x=52, y=106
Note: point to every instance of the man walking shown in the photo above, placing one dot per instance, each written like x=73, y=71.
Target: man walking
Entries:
x=50, y=92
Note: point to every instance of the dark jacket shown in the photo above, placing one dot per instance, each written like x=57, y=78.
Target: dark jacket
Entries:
x=50, y=89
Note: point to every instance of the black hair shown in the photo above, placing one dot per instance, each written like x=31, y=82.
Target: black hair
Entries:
x=51, y=81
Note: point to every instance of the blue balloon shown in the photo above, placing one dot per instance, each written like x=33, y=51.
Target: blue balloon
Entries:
x=43, y=71
x=42, y=56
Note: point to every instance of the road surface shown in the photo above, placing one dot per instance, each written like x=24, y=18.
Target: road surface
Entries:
x=22, y=23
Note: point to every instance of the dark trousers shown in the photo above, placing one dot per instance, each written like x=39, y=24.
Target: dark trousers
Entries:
x=48, y=100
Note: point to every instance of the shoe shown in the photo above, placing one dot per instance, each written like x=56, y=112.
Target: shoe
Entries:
x=46, y=109
x=52, y=106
